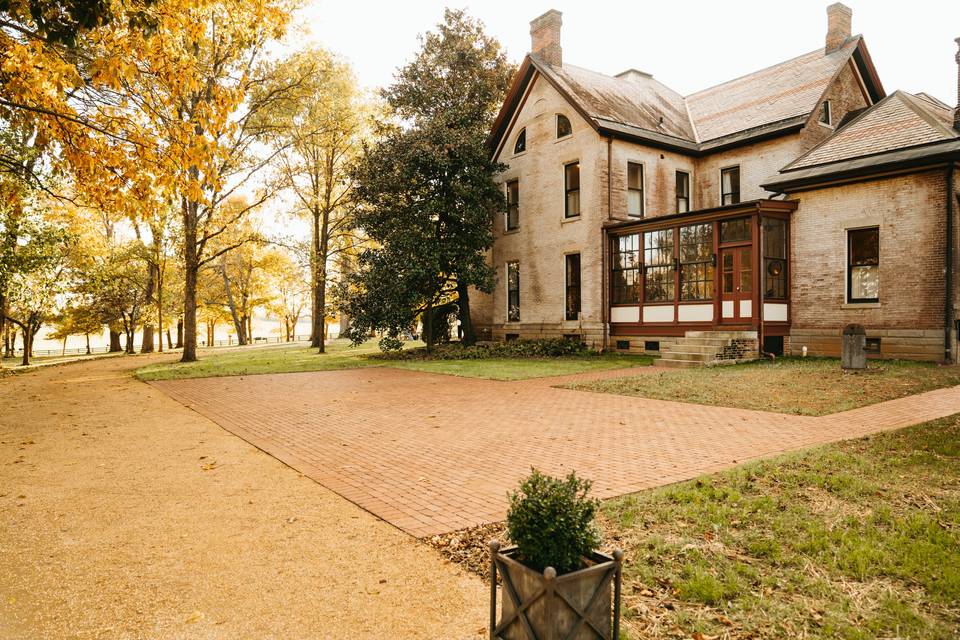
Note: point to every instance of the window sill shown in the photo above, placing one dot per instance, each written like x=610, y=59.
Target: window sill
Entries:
x=510, y=232
x=566, y=137
x=570, y=219
x=517, y=155
x=860, y=305
x=825, y=125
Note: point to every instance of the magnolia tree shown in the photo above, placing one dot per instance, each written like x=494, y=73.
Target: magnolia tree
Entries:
x=425, y=191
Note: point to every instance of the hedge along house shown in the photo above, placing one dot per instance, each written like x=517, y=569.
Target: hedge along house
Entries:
x=746, y=215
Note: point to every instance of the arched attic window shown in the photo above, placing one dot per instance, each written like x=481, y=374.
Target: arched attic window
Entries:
x=563, y=126
x=521, y=144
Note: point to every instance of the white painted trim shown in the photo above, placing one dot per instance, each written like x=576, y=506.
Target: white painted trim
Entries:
x=658, y=313
x=643, y=188
x=746, y=308
x=775, y=311
x=624, y=314
x=720, y=182
x=726, y=308
x=695, y=313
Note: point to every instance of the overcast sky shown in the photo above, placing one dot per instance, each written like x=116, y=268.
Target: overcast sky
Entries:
x=686, y=44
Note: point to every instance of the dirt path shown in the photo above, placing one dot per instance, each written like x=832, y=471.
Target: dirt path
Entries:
x=126, y=515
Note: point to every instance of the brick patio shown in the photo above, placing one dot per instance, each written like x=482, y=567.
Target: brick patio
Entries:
x=432, y=453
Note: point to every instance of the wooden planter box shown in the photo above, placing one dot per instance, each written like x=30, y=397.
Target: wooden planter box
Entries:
x=580, y=605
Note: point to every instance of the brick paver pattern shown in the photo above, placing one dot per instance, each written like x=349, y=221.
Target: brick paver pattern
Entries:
x=432, y=453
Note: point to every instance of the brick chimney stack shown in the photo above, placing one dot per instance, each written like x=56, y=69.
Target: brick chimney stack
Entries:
x=956, y=111
x=839, y=22
x=545, y=37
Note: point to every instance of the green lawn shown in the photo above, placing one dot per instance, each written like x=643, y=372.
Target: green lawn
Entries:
x=855, y=540
x=806, y=386
x=523, y=368
x=341, y=355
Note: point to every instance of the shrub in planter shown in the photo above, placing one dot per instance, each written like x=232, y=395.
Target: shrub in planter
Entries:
x=555, y=583
x=551, y=522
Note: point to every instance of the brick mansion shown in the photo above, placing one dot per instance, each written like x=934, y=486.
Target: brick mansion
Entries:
x=762, y=214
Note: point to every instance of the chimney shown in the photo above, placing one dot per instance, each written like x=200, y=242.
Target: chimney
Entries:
x=545, y=37
x=839, y=18
x=956, y=112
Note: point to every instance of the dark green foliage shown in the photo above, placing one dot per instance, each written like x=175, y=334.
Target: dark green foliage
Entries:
x=546, y=348
x=390, y=344
x=425, y=190
x=551, y=521
x=61, y=21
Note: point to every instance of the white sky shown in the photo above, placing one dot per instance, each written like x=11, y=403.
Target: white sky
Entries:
x=686, y=44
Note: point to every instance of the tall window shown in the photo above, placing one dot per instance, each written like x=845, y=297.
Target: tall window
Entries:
x=825, y=116
x=730, y=185
x=683, y=192
x=571, y=186
x=659, y=266
x=513, y=292
x=563, y=126
x=774, y=259
x=513, y=205
x=863, y=265
x=626, y=270
x=521, y=144
x=634, y=189
x=696, y=262
x=572, y=289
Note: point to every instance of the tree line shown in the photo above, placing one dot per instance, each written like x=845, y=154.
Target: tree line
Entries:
x=151, y=151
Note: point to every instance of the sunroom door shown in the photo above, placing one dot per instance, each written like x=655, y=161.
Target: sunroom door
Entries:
x=736, y=284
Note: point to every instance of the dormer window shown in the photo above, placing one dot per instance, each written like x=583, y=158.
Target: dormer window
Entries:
x=825, y=116
x=563, y=126
x=521, y=144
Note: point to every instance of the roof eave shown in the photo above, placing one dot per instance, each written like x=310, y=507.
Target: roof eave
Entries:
x=901, y=159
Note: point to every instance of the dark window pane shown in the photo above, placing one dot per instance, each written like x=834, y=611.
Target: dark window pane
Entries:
x=863, y=269
x=513, y=205
x=735, y=230
x=513, y=291
x=571, y=178
x=625, y=276
x=521, y=145
x=730, y=186
x=659, y=267
x=683, y=192
x=563, y=126
x=634, y=189
x=775, y=258
x=696, y=262
x=572, y=305
x=746, y=270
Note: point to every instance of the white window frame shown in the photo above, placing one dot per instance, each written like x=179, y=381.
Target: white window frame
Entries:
x=643, y=187
x=829, y=108
x=556, y=125
x=739, y=167
x=689, y=188
x=857, y=226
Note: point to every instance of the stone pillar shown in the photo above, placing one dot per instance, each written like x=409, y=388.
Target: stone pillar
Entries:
x=854, y=355
x=839, y=26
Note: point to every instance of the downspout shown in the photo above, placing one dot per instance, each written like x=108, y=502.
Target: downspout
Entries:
x=604, y=310
x=948, y=298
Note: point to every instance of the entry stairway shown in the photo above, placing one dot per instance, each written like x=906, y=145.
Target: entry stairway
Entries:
x=706, y=348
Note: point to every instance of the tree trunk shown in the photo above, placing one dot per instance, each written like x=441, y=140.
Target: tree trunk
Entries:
x=239, y=324
x=63, y=350
x=169, y=340
x=3, y=326
x=191, y=267
x=88, y=344
x=129, y=348
x=179, y=333
x=250, y=328
x=27, y=340
x=428, y=327
x=469, y=337
x=316, y=330
x=115, y=342
x=146, y=345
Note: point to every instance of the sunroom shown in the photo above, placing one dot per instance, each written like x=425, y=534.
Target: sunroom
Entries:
x=724, y=269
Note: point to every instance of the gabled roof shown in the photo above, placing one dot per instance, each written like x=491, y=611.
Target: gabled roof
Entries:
x=787, y=90
x=635, y=106
x=901, y=130
x=898, y=121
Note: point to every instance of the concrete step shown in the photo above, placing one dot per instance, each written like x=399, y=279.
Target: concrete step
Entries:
x=714, y=342
x=690, y=355
x=727, y=335
x=697, y=348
